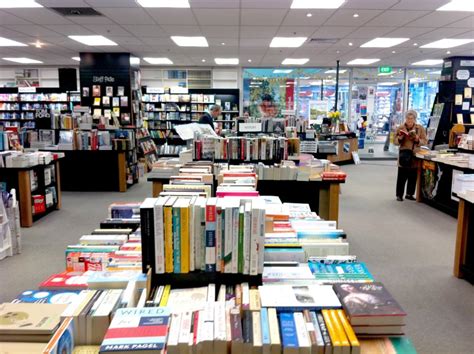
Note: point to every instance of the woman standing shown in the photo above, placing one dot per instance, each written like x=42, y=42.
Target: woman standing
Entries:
x=410, y=136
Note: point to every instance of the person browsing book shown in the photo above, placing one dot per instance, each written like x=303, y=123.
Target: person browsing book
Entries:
x=409, y=137
x=208, y=117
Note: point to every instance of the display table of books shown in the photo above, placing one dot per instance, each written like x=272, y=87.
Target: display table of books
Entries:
x=464, y=251
x=36, y=178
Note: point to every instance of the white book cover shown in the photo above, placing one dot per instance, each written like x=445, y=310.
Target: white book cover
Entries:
x=159, y=235
x=231, y=208
x=304, y=342
x=254, y=238
x=185, y=330
x=173, y=334
x=211, y=292
x=130, y=294
x=221, y=294
x=192, y=228
x=198, y=206
x=245, y=295
x=261, y=238
x=257, y=331
x=298, y=297
x=192, y=299
x=300, y=272
x=235, y=239
x=247, y=236
x=220, y=213
x=220, y=330
x=142, y=300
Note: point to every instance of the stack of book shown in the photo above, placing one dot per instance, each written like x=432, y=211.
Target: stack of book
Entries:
x=371, y=309
x=237, y=182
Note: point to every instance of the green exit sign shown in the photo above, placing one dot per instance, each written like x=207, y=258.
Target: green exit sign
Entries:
x=385, y=69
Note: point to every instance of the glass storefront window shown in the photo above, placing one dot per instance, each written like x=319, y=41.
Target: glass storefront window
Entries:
x=422, y=90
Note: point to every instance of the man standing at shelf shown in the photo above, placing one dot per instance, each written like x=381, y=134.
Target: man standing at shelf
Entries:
x=208, y=117
x=410, y=137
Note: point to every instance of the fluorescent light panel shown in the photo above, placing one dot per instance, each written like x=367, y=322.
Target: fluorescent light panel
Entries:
x=381, y=42
x=5, y=42
x=316, y=4
x=429, y=62
x=76, y=58
x=226, y=61
x=6, y=4
x=282, y=71
x=333, y=71
x=448, y=43
x=458, y=5
x=158, y=61
x=295, y=61
x=360, y=61
x=164, y=3
x=287, y=42
x=93, y=40
x=23, y=60
x=183, y=41
x=134, y=60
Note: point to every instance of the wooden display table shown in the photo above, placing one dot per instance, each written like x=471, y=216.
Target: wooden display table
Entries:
x=464, y=251
x=19, y=178
x=345, y=147
x=322, y=196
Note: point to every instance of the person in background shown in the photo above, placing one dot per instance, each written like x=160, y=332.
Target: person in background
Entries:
x=208, y=117
x=409, y=136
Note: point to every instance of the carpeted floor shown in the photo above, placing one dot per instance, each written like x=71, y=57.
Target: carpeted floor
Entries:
x=407, y=246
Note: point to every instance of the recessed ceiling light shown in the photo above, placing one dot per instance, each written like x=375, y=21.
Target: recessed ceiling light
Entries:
x=203, y=60
x=448, y=52
x=287, y=42
x=350, y=44
x=333, y=71
x=458, y=5
x=448, y=43
x=226, y=61
x=38, y=44
x=164, y=3
x=295, y=61
x=338, y=51
x=134, y=61
x=18, y=4
x=197, y=41
x=393, y=52
x=309, y=14
x=362, y=61
x=429, y=62
x=24, y=60
x=415, y=44
x=93, y=40
x=158, y=61
x=76, y=58
x=250, y=60
x=355, y=15
x=222, y=43
x=5, y=42
x=316, y=4
x=282, y=71
x=381, y=42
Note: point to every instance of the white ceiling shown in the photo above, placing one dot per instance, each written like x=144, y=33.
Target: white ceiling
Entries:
x=245, y=26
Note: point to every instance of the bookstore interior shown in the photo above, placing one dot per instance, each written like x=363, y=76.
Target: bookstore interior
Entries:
x=236, y=162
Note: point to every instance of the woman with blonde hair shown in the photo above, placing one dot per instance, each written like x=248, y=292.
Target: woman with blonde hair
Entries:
x=410, y=136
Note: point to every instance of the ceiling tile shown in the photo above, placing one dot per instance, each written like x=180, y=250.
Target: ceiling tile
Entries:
x=158, y=41
x=298, y=17
x=409, y=32
x=396, y=18
x=207, y=17
x=109, y=30
x=369, y=4
x=370, y=32
x=258, y=31
x=64, y=3
x=126, y=40
x=263, y=17
x=263, y=4
x=146, y=30
x=70, y=30
x=438, y=19
x=33, y=30
x=298, y=31
x=333, y=32
x=345, y=17
x=91, y=20
x=255, y=42
x=9, y=19
x=220, y=31
x=128, y=16
x=441, y=33
x=112, y=3
x=214, y=4
x=41, y=16
x=174, y=30
x=466, y=23
x=217, y=42
x=173, y=16
x=419, y=4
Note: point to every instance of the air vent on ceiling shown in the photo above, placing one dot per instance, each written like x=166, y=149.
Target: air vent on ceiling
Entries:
x=316, y=41
x=76, y=11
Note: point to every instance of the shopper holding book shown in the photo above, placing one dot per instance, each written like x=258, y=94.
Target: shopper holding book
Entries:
x=409, y=136
x=208, y=117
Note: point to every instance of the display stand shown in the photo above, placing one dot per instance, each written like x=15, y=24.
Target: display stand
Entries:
x=346, y=144
x=94, y=170
x=19, y=178
x=464, y=250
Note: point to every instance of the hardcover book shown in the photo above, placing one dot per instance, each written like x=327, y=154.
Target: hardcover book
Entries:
x=48, y=297
x=369, y=304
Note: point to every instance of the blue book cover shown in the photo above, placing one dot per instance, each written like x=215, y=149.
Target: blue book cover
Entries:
x=351, y=270
x=265, y=326
x=176, y=241
x=288, y=330
x=319, y=234
x=64, y=297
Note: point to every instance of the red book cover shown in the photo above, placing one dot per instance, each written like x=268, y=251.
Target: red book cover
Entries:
x=65, y=280
x=195, y=327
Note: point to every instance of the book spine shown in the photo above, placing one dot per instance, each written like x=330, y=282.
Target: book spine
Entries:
x=247, y=237
x=254, y=240
x=265, y=328
x=184, y=240
x=311, y=330
x=219, y=212
x=192, y=225
x=203, y=239
x=165, y=296
x=148, y=236
x=304, y=341
x=288, y=331
x=197, y=236
x=168, y=221
x=228, y=225
x=176, y=240
x=235, y=239
x=241, y=260
x=334, y=338
x=210, y=238
x=173, y=334
x=247, y=332
x=159, y=241
x=351, y=336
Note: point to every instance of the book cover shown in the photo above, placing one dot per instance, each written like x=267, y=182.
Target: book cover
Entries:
x=236, y=330
x=137, y=329
x=96, y=90
x=362, y=302
x=109, y=91
x=211, y=235
x=62, y=341
x=298, y=297
x=240, y=254
x=159, y=235
x=27, y=318
x=120, y=91
x=48, y=297
x=168, y=232
x=65, y=280
x=289, y=336
x=106, y=101
x=304, y=341
x=123, y=101
x=185, y=243
x=192, y=299
x=176, y=221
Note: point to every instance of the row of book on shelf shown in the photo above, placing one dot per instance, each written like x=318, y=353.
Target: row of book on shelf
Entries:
x=105, y=303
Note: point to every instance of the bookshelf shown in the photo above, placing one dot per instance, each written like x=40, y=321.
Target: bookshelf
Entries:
x=38, y=189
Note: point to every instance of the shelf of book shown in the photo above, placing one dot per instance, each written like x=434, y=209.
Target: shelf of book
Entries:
x=198, y=279
x=21, y=179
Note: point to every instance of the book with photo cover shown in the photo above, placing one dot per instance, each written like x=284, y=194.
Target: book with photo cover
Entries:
x=116, y=101
x=85, y=92
x=298, y=297
x=369, y=304
x=96, y=90
x=124, y=101
x=97, y=101
x=120, y=91
x=106, y=101
x=116, y=111
x=97, y=112
x=109, y=91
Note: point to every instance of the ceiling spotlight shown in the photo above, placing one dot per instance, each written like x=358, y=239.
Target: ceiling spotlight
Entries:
x=350, y=44
x=222, y=43
x=355, y=15
x=204, y=60
x=415, y=44
x=393, y=52
x=309, y=14
x=250, y=60
x=76, y=58
x=38, y=44
x=338, y=51
x=448, y=52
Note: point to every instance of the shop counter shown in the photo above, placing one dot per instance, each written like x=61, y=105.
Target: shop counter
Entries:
x=464, y=250
x=347, y=143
